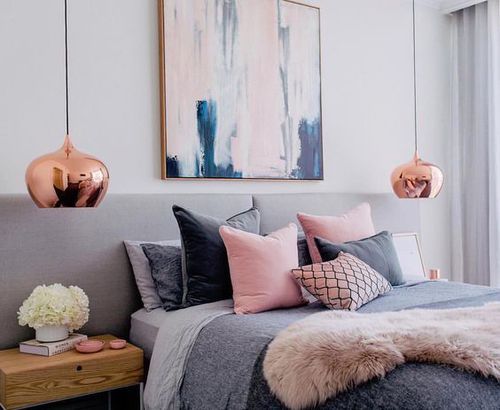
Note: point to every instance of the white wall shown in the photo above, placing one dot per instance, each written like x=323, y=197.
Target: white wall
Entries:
x=366, y=84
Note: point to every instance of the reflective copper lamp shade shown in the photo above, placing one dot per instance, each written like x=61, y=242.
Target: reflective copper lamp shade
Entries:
x=417, y=179
x=67, y=178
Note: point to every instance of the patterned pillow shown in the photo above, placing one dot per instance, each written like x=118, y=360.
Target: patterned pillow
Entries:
x=343, y=283
x=142, y=271
x=166, y=270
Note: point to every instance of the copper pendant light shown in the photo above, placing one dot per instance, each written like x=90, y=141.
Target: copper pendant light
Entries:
x=417, y=178
x=67, y=178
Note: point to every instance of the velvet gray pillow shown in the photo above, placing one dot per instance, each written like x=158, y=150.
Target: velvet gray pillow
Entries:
x=378, y=251
x=142, y=272
x=166, y=271
x=205, y=257
x=303, y=250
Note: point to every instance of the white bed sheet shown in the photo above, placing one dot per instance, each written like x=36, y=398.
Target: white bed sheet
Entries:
x=144, y=329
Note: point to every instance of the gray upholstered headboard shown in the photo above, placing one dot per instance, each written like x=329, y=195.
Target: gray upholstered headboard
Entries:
x=84, y=247
x=389, y=213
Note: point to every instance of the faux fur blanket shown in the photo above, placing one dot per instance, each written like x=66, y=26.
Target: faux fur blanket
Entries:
x=328, y=353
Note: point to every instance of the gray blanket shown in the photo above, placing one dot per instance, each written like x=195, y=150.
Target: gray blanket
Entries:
x=222, y=367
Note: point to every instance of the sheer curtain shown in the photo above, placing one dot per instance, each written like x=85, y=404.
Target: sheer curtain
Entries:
x=475, y=148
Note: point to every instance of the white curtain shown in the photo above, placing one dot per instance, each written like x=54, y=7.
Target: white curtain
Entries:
x=475, y=147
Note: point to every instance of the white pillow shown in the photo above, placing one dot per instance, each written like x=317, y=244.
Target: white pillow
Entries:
x=142, y=272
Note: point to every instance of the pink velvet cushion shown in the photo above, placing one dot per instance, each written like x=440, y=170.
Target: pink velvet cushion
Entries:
x=352, y=226
x=344, y=283
x=260, y=268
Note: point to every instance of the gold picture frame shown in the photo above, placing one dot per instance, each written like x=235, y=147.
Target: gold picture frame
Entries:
x=164, y=107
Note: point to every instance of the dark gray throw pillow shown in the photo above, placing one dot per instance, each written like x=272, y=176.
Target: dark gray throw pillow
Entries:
x=378, y=251
x=303, y=249
x=205, y=256
x=166, y=270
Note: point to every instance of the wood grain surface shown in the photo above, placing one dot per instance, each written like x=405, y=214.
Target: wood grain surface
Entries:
x=29, y=379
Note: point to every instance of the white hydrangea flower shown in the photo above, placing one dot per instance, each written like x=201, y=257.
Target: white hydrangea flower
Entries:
x=55, y=305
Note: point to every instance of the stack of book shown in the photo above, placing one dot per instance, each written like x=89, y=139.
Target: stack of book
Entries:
x=53, y=348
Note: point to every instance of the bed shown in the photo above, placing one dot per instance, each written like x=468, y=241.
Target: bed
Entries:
x=144, y=328
x=205, y=357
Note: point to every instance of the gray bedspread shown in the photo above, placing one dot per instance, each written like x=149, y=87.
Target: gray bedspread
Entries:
x=219, y=366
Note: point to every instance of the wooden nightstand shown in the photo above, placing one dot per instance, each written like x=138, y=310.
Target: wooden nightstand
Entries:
x=29, y=380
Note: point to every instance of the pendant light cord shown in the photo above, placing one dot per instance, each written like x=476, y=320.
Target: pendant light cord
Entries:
x=66, y=62
x=415, y=78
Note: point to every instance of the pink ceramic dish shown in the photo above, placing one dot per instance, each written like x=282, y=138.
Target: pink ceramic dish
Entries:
x=89, y=346
x=117, y=344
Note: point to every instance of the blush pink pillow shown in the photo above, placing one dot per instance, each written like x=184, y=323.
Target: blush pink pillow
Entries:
x=260, y=268
x=352, y=226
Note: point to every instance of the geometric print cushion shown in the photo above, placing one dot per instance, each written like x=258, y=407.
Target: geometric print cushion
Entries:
x=343, y=283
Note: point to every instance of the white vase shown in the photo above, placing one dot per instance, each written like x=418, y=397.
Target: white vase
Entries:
x=47, y=334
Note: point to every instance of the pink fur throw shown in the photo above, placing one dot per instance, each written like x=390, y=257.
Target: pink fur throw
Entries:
x=328, y=353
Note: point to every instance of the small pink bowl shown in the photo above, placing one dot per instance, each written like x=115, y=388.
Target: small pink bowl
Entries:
x=89, y=346
x=117, y=344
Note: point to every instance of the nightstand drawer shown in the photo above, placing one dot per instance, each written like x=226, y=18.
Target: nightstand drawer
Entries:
x=69, y=375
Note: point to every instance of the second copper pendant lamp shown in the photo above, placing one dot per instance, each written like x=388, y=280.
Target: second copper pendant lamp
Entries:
x=417, y=178
x=67, y=178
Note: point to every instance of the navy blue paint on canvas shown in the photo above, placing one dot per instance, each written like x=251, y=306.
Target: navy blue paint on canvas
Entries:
x=206, y=114
x=173, y=167
x=309, y=164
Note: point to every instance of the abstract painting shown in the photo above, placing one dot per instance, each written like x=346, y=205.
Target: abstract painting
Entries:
x=241, y=89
